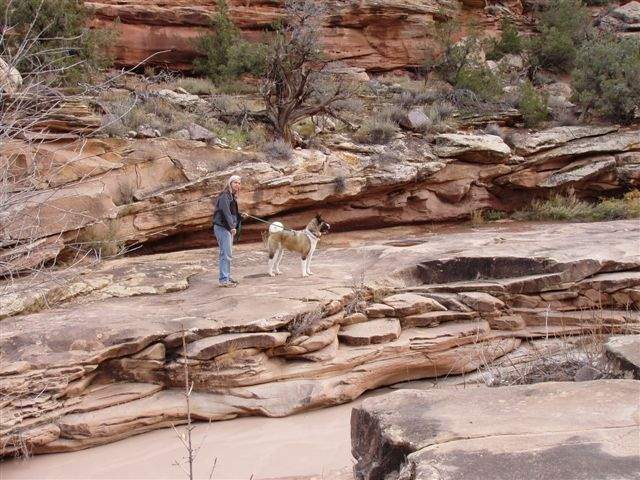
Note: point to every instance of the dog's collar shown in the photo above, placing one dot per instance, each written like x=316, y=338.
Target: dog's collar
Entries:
x=311, y=236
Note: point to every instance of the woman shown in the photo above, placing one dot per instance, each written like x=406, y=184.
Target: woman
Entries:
x=226, y=222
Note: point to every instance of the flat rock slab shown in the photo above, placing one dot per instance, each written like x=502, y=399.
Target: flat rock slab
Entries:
x=557, y=430
x=406, y=304
x=480, y=301
x=472, y=148
x=379, y=310
x=431, y=319
x=625, y=351
x=375, y=331
x=211, y=347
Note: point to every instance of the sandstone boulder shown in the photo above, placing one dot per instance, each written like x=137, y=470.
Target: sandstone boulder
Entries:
x=382, y=330
x=196, y=132
x=379, y=310
x=10, y=78
x=559, y=430
x=481, y=302
x=624, y=350
x=527, y=144
x=579, y=172
x=415, y=120
x=406, y=304
x=357, y=317
x=431, y=319
x=211, y=347
x=472, y=148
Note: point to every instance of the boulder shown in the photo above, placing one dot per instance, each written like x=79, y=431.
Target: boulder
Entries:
x=507, y=322
x=481, y=302
x=580, y=171
x=211, y=347
x=305, y=344
x=382, y=330
x=185, y=100
x=10, y=78
x=529, y=143
x=625, y=18
x=472, y=148
x=146, y=131
x=353, y=318
x=558, y=430
x=431, y=319
x=196, y=132
x=379, y=310
x=415, y=120
x=624, y=350
x=406, y=304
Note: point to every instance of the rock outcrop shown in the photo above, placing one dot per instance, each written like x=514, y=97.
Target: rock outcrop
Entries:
x=159, y=192
x=550, y=430
x=625, y=352
x=371, y=34
x=277, y=346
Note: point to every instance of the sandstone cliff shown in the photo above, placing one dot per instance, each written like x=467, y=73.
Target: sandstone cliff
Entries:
x=375, y=35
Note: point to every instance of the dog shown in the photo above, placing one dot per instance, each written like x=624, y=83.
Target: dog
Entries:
x=303, y=242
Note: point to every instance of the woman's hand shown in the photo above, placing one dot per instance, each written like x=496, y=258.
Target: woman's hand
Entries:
x=233, y=232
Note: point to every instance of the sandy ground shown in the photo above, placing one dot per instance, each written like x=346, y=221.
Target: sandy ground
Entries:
x=308, y=443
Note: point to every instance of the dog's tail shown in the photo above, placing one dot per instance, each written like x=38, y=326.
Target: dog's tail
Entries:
x=276, y=227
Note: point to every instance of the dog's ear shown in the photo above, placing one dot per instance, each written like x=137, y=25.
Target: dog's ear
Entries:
x=318, y=217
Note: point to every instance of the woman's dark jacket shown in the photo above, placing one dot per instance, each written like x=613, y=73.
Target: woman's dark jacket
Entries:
x=226, y=212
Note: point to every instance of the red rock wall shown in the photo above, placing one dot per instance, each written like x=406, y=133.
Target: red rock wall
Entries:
x=376, y=35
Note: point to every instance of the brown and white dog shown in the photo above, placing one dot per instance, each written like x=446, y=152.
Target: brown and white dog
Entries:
x=303, y=242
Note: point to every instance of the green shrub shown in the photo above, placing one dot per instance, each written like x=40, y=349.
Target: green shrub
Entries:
x=278, y=149
x=569, y=207
x=563, y=27
x=606, y=79
x=226, y=56
x=481, y=81
x=378, y=130
x=197, y=86
x=509, y=42
x=459, y=63
x=532, y=105
x=57, y=39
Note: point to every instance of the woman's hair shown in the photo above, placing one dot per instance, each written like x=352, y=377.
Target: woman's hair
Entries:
x=232, y=178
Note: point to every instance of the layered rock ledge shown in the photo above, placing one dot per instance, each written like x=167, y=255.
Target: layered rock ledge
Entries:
x=552, y=430
x=159, y=193
x=98, y=357
x=369, y=34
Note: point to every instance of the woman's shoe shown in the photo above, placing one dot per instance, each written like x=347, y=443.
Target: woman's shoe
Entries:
x=228, y=284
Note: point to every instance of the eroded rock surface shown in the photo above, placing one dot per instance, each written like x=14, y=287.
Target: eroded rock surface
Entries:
x=159, y=192
x=557, y=430
x=625, y=351
x=370, y=34
x=277, y=346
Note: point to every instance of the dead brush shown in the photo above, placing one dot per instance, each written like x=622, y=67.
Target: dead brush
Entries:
x=564, y=357
x=305, y=324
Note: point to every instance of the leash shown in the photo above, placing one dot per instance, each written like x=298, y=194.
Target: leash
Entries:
x=267, y=222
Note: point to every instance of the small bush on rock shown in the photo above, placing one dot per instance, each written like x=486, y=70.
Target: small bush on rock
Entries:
x=569, y=207
x=563, y=27
x=225, y=55
x=606, y=78
x=508, y=43
x=378, y=130
x=197, y=86
x=532, y=105
x=56, y=36
x=459, y=63
x=279, y=150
